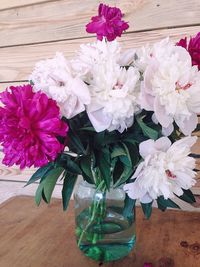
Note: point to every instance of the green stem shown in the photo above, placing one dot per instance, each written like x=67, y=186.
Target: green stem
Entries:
x=98, y=208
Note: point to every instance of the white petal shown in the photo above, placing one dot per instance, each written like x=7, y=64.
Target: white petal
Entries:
x=160, y=113
x=146, y=100
x=163, y=144
x=99, y=120
x=81, y=90
x=147, y=148
x=168, y=130
x=146, y=199
x=127, y=57
x=188, y=125
x=134, y=191
x=138, y=170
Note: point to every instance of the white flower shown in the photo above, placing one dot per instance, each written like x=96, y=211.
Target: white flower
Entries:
x=92, y=54
x=114, y=98
x=160, y=51
x=114, y=89
x=55, y=78
x=171, y=88
x=165, y=171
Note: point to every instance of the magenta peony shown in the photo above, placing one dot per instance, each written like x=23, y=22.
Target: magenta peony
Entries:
x=30, y=125
x=108, y=23
x=193, y=47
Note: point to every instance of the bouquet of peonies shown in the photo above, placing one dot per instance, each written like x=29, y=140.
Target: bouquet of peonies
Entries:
x=118, y=118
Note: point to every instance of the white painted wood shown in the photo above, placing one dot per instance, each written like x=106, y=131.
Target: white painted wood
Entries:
x=10, y=189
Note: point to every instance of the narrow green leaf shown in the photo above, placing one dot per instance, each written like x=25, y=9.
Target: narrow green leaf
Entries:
x=75, y=141
x=73, y=167
x=85, y=164
x=133, y=152
x=118, y=151
x=68, y=186
x=160, y=206
x=187, y=196
x=99, y=139
x=38, y=194
x=89, y=129
x=126, y=159
x=167, y=202
x=147, y=209
x=129, y=205
x=124, y=176
x=104, y=166
x=50, y=182
x=147, y=131
x=40, y=173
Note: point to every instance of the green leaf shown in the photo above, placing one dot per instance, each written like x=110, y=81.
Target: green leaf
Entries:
x=73, y=167
x=127, y=172
x=40, y=173
x=118, y=151
x=50, y=182
x=187, y=196
x=75, y=142
x=89, y=129
x=167, y=203
x=85, y=164
x=134, y=153
x=129, y=205
x=68, y=186
x=105, y=166
x=160, y=206
x=147, y=131
x=99, y=139
x=38, y=194
x=147, y=209
x=126, y=159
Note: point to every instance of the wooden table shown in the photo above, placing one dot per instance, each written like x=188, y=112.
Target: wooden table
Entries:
x=44, y=237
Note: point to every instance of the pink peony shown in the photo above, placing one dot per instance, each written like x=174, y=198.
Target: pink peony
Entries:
x=108, y=23
x=30, y=124
x=193, y=47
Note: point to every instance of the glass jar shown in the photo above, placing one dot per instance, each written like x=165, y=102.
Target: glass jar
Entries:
x=104, y=232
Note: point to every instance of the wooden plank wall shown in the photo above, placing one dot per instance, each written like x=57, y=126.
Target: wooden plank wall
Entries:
x=31, y=30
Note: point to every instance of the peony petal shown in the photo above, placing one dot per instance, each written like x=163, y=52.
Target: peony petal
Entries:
x=168, y=130
x=146, y=100
x=187, y=126
x=80, y=89
x=162, y=144
x=98, y=119
x=147, y=148
x=127, y=57
x=138, y=170
x=160, y=113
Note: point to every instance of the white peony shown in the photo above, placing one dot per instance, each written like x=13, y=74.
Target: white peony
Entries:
x=92, y=54
x=165, y=171
x=55, y=78
x=171, y=88
x=114, y=98
x=114, y=89
x=160, y=51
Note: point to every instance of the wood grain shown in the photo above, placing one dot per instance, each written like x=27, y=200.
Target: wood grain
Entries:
x=10, y=189
x=5, y=4
x=66, y=19
x=16, y=63
x=44, y=236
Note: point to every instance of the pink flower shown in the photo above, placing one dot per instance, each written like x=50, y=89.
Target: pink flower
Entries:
x=108, y=23
x=30, y=124
x=193, y=47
